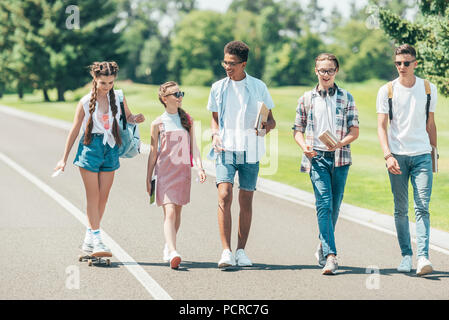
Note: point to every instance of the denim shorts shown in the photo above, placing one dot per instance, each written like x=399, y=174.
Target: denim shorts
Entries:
x=227, y=163
x=96, y=156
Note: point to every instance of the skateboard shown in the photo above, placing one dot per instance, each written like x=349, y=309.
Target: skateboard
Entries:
x=98, y=258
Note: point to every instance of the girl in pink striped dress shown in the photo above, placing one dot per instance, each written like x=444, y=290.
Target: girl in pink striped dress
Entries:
x=172, y=153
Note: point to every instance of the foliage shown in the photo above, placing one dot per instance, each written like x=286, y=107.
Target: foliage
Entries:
x=430, y=36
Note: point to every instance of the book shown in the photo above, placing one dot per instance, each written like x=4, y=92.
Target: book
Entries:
x=435, y=157
x=262, y=116
x=328, y=139
x=153, y=190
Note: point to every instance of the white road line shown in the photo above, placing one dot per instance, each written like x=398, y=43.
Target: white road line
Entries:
x=153, y=288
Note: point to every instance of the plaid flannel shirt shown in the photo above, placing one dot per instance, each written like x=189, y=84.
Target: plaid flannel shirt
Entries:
x=346, y=117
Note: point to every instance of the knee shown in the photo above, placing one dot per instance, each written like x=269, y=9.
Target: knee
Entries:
x=225, y=197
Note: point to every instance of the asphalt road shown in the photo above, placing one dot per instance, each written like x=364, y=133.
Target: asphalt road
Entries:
x=40, y=239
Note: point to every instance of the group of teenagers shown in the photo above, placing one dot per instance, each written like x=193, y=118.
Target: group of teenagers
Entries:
x=406, y=131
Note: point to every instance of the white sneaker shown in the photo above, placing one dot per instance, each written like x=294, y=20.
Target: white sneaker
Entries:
x=331, y=266
x=101, y=250
x=165, y=254
x=424, y=266
x=87, y=247
x=175, y=259
x=406, y=264
x=319, y=256
x=242, y=259
x=227, y=259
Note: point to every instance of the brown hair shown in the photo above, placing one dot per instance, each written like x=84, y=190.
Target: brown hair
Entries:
x=98, y=69
x=185, y=118
x=405, y=49
x=327, y=56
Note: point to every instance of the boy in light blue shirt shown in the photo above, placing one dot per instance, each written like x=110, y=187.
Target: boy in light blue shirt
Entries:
x=237, y=147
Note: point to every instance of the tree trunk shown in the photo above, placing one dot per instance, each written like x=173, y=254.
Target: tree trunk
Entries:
x=61, y=94
x=46, y=97
x=20, y=91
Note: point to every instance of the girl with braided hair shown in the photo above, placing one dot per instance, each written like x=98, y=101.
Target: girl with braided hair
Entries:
x=97, y=114
x=172, y=153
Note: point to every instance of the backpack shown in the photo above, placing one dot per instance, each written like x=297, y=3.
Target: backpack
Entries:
x=129, y=133
x=390, y=98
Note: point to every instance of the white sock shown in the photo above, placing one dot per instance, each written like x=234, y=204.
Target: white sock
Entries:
x=96, y=236
x=88, y=237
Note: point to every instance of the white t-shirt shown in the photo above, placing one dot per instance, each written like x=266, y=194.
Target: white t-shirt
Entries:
x=172, y=121
x=324, y=114
x=234, y=138
x=407, y=133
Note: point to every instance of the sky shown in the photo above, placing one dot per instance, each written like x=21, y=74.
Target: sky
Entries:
x=222, y=5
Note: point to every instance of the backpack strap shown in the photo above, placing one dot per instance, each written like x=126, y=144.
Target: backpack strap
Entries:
x=390, y=100
x=122, y=108
x=427, y=87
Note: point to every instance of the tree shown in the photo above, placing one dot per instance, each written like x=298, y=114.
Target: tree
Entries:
x=429, y=34
x=198, y=41
x=51, y=52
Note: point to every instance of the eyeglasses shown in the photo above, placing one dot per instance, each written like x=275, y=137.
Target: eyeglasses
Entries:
x=224, y=64
x=406, y=63
x=178, y=94
x=330, y=72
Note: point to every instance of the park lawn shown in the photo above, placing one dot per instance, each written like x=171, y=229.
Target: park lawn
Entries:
x=367, y=185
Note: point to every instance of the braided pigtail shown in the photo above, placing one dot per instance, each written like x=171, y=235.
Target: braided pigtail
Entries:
x=115, y=128
x=90, y=123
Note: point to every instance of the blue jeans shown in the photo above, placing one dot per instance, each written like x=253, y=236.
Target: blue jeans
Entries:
x=328, y=185
x=418, y=169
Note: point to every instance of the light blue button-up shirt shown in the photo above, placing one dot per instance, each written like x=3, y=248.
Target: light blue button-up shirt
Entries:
x=257, y=92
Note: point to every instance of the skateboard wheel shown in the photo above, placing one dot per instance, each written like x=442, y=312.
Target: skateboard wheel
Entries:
x=89, y=263
x=80, y=258
x=108, y=262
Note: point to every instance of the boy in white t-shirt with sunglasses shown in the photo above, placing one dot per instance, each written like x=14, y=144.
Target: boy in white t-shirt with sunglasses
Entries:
x=407, y=146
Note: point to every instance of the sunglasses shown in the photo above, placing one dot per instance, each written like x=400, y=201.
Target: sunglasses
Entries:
x=330, y=72
x=406, y=63
x=178, y=94
x=224, y=64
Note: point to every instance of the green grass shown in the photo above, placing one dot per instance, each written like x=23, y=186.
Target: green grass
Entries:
x=367, y=186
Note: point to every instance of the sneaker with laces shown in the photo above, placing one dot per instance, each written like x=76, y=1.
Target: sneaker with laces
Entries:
x=87, y=247
x=424, y=266
x=331, y=266
x=165, y=254
x=406, y=264
x=227, y=259
x=175, y=259
x=320, y=256
x=100, y=250
x=242, y=259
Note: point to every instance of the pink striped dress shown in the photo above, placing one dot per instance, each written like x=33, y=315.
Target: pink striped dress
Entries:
x=173, y=165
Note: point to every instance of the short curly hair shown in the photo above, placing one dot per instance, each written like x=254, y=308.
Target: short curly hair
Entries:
x=237, y=48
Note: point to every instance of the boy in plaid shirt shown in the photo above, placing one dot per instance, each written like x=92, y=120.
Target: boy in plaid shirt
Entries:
x=326, y=107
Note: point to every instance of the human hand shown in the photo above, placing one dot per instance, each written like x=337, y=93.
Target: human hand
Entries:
x=339, y=145
x=393, y=165
x=138, y=118
x=309, y=152
x=217, y=143
x=202, y=175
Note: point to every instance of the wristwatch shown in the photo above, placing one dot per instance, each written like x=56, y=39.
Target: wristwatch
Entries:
x=388, y=156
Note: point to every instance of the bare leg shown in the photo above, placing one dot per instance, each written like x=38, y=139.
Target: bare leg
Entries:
x=246, y=212
x=105, y=180
x=90, y=180
x=224, y=213
x=169, y=226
